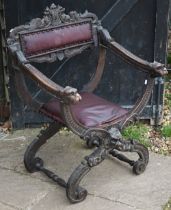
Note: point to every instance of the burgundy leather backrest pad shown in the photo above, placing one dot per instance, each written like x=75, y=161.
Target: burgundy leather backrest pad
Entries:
x=37, y=43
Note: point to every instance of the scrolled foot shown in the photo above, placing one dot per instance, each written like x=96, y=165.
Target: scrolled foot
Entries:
x=141, y=164
x=33, y=165
x=79, y=195
x=139, y=167
x=38, y=163
x=32, y=162
x=74, y=192
x=142, y=152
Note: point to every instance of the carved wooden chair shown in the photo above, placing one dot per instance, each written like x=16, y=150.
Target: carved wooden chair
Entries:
x=95, y=120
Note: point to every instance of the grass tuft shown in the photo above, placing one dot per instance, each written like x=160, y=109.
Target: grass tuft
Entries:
x=166, y=131
x=168, y=205
x=137, y=132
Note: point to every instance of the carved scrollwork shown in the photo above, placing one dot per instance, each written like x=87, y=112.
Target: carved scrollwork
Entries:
x=99, y=137
x=70, y=95
x=75, y=126
x=96, y=157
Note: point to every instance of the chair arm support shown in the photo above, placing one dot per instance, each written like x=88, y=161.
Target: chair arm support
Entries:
x=67, y=95
x=155, y=69
x=96, y=78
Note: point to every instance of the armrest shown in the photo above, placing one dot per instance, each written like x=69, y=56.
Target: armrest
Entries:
x=155, y=69
x=66, y=95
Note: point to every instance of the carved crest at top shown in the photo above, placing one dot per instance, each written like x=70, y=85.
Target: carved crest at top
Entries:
x=53, y=16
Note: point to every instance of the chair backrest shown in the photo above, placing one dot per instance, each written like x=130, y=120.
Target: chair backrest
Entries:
x=56, y=36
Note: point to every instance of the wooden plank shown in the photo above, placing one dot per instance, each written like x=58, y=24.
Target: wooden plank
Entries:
x=2, y=63
x=117, y=12
x=160, y=55
x=161, y=35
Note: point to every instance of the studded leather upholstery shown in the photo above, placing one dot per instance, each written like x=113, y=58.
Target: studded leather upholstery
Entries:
x=49, y=40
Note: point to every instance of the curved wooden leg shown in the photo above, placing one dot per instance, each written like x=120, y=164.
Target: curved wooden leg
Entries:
x=74, y=192
x=139, y=166
x=32, y=163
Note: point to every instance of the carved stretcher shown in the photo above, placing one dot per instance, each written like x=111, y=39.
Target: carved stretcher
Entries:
x=95, y=120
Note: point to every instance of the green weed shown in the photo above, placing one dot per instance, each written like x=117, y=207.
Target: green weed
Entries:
x=166, y=131
x=137, y=132
x=168, y=205
x=169, y=59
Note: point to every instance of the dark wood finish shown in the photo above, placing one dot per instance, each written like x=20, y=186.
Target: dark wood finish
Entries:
x=24, y=92
x=92, y=85
x=156, y=69
x=129, y=32
x=106, y=136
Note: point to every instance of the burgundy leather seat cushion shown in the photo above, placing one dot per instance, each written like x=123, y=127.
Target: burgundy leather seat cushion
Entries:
x=91, y=111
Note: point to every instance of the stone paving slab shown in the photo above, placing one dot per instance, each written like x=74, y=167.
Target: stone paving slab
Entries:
x=57, y=201
x=6, y=207
x=21, y=191
x=111, y=185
